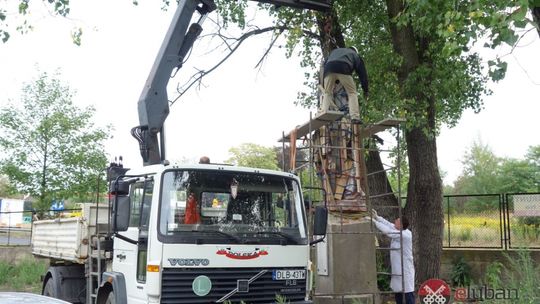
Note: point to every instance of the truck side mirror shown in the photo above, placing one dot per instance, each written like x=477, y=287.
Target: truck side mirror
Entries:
x=120, y=213
x=320, y=222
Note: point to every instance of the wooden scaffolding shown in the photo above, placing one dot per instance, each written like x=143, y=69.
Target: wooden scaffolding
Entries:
x=336, y=153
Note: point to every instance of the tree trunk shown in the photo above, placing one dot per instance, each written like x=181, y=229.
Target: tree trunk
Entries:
x=424, y=201
x=330, y=32
x=536, y=17
x=424, y=204
x=378, y=184
x=42, y=195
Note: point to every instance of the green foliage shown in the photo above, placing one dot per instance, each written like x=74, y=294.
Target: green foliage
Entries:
x=280, y=299
x=454, y=81
x=464, y=23
x=11, y=11
x=52, y=148
x=465, y=234
x=480, y=166
x=232, y=12
x=403, y=170
x=461, y=273
x=252, y=155
x=518, y=273
x=76, y=35
x=283, y=157
x=528, y=228
x=383, y=280
x=518, y=176
x=484, y=172
x=24, y=275
x=6, y=189
x=493, y=274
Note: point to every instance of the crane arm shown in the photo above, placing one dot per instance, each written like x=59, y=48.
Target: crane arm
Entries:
x=153, y=105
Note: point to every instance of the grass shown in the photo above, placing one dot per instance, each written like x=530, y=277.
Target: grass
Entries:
x=24, y=275
x=520, y=273
x=484, y=230
x=473, y=230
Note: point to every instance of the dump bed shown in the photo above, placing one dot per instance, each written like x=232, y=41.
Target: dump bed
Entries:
x=68, y=238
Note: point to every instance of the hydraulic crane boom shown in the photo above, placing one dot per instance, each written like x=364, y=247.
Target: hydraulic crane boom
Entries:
x=153, y=104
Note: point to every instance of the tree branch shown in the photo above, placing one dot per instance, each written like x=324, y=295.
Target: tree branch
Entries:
x=268, y=50
x=233, y=47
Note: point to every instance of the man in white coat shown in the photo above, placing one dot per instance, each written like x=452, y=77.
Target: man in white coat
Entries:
x=392, y=231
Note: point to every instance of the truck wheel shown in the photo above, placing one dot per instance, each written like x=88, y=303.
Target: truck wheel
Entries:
x=48, y=290
x=110, y=298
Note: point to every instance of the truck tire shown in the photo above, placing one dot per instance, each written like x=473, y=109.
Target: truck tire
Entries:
x=48, y=290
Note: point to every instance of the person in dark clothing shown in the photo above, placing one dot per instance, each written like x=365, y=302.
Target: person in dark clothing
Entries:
x=339, y=66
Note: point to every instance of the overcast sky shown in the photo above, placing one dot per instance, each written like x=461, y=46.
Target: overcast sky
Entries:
x=237, y=103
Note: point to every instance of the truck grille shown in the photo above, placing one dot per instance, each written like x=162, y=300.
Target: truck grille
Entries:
x=177, y=283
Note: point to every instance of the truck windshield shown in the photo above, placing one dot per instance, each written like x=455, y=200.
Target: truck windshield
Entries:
x=202, y=206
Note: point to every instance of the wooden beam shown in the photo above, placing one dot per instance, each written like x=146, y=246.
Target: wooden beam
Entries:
x=371, y=129
x=320, y=120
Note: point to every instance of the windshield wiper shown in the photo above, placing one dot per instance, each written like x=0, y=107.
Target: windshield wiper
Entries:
x=283, y=235
x=228, y=235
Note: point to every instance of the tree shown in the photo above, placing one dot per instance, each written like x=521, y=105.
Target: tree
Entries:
x=5, y=187
x=416, y=71
x=533, y=157
x=516, y=176
x=480, y=170
x=252, y=155
x=484, y=172
x=283, y=156
x=53, y=150
x=421, y=67
x=13, y=10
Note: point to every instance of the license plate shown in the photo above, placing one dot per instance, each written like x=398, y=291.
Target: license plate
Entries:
x=288, y=274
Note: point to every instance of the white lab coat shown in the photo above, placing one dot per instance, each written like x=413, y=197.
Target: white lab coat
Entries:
x=408, y=263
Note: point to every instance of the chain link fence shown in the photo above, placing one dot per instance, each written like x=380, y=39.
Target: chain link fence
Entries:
x=523, y=220
x=473, y=221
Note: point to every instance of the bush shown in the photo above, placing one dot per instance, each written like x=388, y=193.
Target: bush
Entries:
x=519, y=274
x=461, y=273
x=524, y=276
x=493, y=275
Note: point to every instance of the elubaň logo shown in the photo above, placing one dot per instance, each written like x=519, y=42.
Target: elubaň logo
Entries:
x=434, y=291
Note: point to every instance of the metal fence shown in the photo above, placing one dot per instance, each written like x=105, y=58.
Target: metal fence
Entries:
x=522, y=217
x=504, y=221
x=473, y=221
x=16, y=226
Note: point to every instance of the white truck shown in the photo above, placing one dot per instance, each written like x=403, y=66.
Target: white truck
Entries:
x=203, y=233
x=184, y=234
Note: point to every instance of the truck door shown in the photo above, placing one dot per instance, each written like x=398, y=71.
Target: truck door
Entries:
x=130, y=258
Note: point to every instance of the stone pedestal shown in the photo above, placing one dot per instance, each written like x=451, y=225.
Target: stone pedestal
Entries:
x=346, y=263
